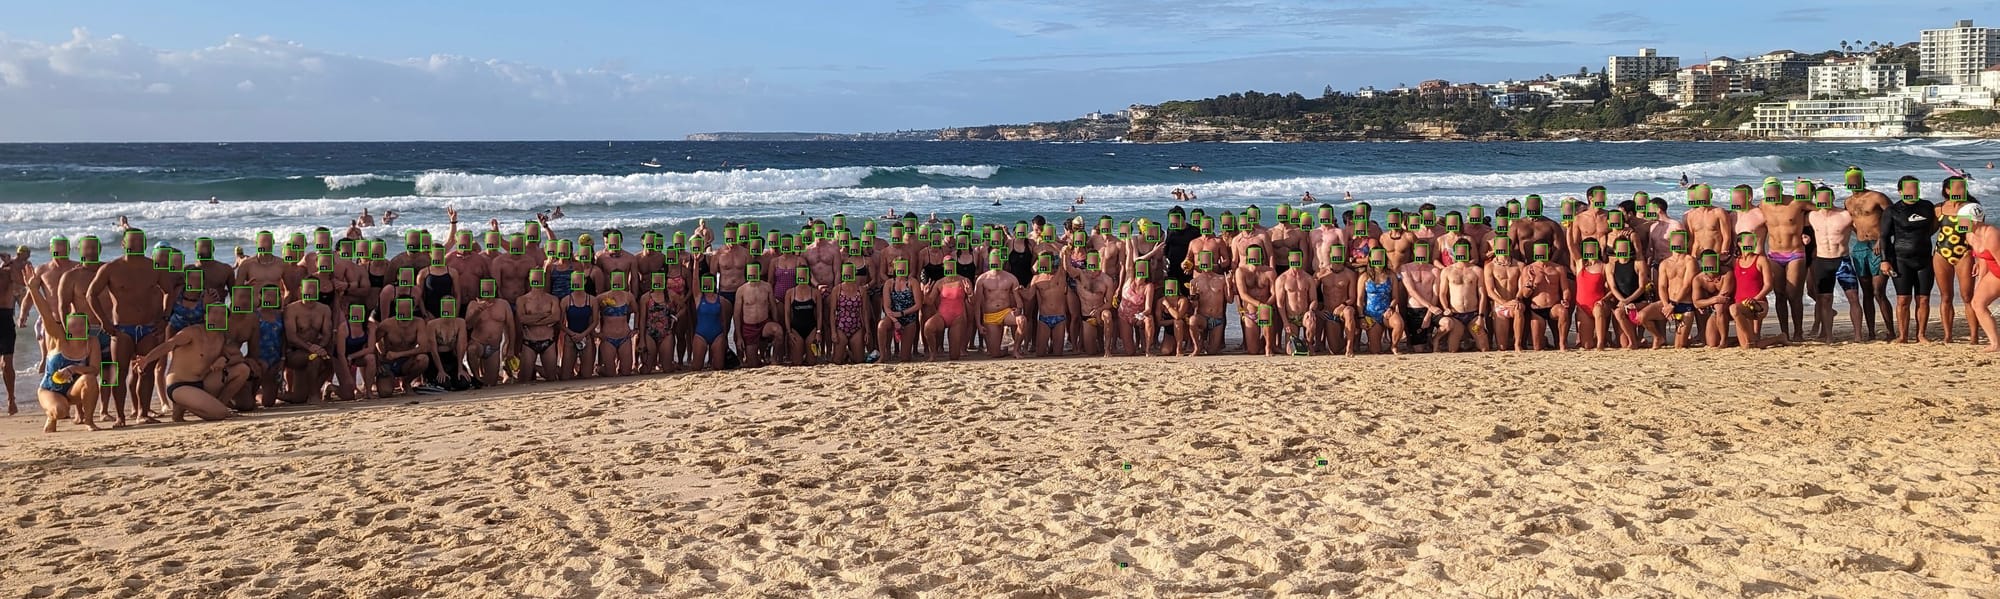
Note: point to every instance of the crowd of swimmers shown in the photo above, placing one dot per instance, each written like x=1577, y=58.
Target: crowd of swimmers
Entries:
x=326, y=316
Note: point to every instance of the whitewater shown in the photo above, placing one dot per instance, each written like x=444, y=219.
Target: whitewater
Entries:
x=53, y=189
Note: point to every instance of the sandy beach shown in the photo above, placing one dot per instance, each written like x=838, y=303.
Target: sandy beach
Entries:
x=1846, y=470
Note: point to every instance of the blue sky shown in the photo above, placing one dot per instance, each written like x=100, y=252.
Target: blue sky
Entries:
x=509, y=69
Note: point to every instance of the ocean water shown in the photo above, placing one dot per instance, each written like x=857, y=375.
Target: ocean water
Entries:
x=76, y=189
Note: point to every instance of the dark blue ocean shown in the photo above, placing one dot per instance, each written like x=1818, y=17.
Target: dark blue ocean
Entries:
x=74, y=189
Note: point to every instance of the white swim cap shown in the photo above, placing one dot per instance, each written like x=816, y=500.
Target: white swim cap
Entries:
x=1972, y=212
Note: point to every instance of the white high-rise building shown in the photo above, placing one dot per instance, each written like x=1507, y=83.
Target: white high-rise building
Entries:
x=1639, y=69
x=1959, y=53
x=1860, y=75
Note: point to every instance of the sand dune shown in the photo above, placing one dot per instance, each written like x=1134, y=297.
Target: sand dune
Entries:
x=1844, y=471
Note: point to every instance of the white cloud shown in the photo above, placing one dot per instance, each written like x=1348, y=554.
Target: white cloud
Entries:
x=113, y=88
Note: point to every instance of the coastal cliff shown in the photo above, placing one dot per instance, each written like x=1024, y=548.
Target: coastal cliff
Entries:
x=1077, y=130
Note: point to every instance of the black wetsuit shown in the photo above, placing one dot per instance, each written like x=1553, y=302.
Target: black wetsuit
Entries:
x=1177, y=242
x=1907, y=228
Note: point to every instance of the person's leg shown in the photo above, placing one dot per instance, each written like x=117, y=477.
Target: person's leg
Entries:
x=1947, y=278
x=1857, y=312
x=1966, y=284
x=959, y=335
x=343, y=380
x=1587, y=327
x=1448, y=335
x=1875, y=300
x=718, y=353
x=1392, y=322
x=55, y=407
x=1536, y=322
x=1628, y=333
x=1981, y=308
x=142, y=382
x=236, y=380
x=314, y=382
x=7, y=375
x=1653, y=318
x=1562, y=324
x=1748, y=327
x=121, y=356
x=1794, y=295
x=774, y=333
x=883, y=332
x=200, y=403
x=933, y=338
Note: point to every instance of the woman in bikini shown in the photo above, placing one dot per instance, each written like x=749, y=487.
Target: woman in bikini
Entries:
x=1592, y=288
x=1984, y=242
x=579, y=331
x=657, y=348
x=1949, y=249
x=711, y=322
x=948, y=301
x=615, y=328
x=803, y=313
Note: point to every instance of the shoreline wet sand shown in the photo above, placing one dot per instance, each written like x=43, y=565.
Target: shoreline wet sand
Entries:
x=1844, y=470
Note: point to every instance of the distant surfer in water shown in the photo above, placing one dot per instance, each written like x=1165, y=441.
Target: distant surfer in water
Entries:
x=1684, y=179
x=1308, y=198
x=212, y=200
x=367, y=220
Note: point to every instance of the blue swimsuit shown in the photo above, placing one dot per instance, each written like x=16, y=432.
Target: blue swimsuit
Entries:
x=579, y=318
x=1379, y=297
x=58, y=361
x=708, y=320
x=183, y=316
x=559, y=283
x=900, y=300
x=271, y=340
